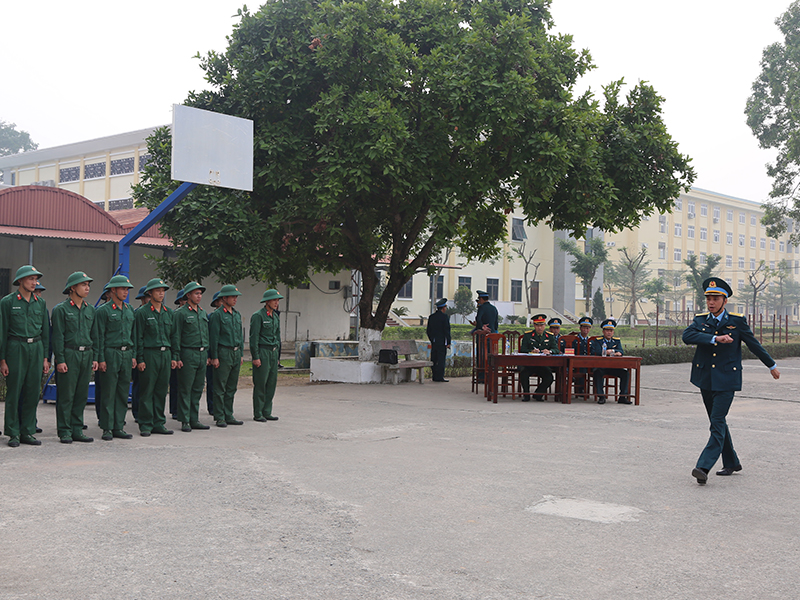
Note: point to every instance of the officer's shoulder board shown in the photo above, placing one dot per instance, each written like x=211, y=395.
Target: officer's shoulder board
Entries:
x=529, y=331
x=615, y=339
x=705, y=314
x=736, y=315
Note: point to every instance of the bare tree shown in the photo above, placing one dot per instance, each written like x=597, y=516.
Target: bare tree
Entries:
x=759, y=279
x=519, y=250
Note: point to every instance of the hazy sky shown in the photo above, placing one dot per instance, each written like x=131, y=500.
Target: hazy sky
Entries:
x=74, y=72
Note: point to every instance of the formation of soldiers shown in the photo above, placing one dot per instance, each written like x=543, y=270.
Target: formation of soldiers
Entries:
x=118, y=344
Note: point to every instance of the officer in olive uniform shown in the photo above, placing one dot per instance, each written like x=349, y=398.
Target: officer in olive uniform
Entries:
x=24, y=340
x=190, y=351
x=113, y=349
x=73, y=320
x=717, y=371
x=143, y=296
x=226, y=352
x=179, y=301
x=215, y=303
x=153, y=342
x=608, y=345
x=537, y=341
x=438, y=331
x=265, y=337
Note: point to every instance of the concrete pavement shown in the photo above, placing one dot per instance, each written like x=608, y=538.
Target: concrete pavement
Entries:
x=416, y=492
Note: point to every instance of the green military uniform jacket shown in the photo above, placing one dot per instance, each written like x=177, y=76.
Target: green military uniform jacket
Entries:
x=152, y=329
x=265, y=330
x=113, y=328
x=72, y=327
x=531, y=341
x=225, y=329
x=22, y=319
x=189, y=330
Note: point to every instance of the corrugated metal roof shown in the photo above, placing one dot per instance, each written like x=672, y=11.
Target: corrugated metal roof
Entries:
x=27, y=232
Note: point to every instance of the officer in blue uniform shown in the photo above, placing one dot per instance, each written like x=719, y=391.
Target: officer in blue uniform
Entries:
x=555, y=331
x=717, y=371
x=438, y=331
x=581, y=346
x=486, y=320
x=608, y=345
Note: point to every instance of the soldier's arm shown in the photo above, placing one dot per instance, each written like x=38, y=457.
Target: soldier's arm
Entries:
x=214, y=324
x=175, y=337
x=693, y=335
x=98, y=336
x=753, y=344
x=255, y=333
x=58, y=334
x=138, y=335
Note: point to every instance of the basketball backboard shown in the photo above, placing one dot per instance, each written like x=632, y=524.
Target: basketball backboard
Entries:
x=211, y=148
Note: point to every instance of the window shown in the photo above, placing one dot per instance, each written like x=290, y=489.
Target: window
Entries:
x=741, y=262
x=690, y=231
x=703, y=233
x=752, y=241
x=772, y=245
x=704, y=210
x=716, y=236
x=741, y=284
x=677, y=255
x=676, y=282
x=407, y=290
x=678, y=204
x=741, y=240
x=492, y=288
x=516, y=290
x=752, y=264
x=465, y=282
x=518, y=230
x=729, y=238
x=439, y=288
x=690, y=207
x=716, y=213
x=334, y=284
x=702, y=258
x=662, y=224
x=677, y=230
x=729, y=261
x=781, y=246
x=772, y=264
x=662, y=250
x=661, y=273
x=729, y=216
x=689, y=253
x=741, y=218
x=94, y=170
x=67, y=175
x=122, y=166
x=763, y=243
x=753, y=220
x=797, y=267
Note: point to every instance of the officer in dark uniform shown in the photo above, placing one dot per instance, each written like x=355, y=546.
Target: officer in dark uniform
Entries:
x=439, y=334
x=537, y=341
x=486, y=321
x=555, y=331
x=608, y=345
x=581, y=346
x=717, y=371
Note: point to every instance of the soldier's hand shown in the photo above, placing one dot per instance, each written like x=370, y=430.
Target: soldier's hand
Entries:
x=214, y=363
x=140, y=366
x=46, y=368
x=724, y=339
x=133, y=363
x=775, y=374
x=4, y=368
x=102, y=366
x=95, y=365
x=61, y=367
x=176, y=364
x=257, y=362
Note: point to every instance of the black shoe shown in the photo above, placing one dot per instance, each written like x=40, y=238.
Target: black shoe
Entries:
x=271, y=418
x=234, y=422
x=163, y=431
x=701, y=475
x=260, y=419
x=601, y=400
x=85, y=427
x=186, y=428
x=221, y=424
x=141, y=433
x=82, y=438
x=199, y=426
x=441, y=380
x=38, y=430
x=539, y=398
x=624, y=400
x=725, y=471
x=67, y=440
x=107, y=435
x=14, y=442
x=30, y=440
x=119, y=433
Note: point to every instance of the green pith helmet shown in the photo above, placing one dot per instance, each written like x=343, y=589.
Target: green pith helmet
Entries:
x=271, y=295
x=25, y=271
x=229, y=290
x=154, y=284
x=119, y=281
x=76, y=278
x=192, y=286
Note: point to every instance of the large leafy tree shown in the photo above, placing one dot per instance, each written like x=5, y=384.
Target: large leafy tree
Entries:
x=773, y=113
x=698, y=274
x=12, y=140
x=394, y=130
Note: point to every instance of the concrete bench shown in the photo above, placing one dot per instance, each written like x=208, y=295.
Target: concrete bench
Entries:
x=407, y=348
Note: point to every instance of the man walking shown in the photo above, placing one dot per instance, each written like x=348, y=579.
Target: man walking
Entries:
x=717, y=371
x=438, y=331
x=190, y=351
x=226, y=352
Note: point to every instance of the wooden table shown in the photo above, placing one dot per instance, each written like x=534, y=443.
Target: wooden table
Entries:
x=632, y=363
x=497, y=363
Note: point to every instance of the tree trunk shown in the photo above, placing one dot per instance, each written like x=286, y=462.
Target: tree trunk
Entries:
x=365, y=339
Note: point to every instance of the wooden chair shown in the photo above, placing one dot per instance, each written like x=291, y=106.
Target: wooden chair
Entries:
x=495, y=343
x=567, y=342
x=477, y=358
x=514, y=340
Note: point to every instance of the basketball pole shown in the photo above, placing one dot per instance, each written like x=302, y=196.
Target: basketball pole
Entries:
x=154, y=217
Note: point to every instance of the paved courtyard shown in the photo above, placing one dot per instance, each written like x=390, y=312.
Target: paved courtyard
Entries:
x=416, y=492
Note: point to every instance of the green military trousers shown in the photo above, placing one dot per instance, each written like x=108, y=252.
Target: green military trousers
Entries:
x=191, y=378
x=72, y=392
x=265, y=378
x=112, y=406
x=226, y=380
x=153, y=386
x=25, y=364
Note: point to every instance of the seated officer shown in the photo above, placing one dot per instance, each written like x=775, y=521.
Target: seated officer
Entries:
x=608, y=345
x=537, y=341
x=555, y=330
x=581, y=346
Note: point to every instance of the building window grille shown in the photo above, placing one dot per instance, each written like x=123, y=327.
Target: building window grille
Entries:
x=122, y=166
x=94, y=170
x=69, y=174
x=143, y=160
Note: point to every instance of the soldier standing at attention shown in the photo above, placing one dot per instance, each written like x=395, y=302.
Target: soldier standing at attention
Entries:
x=180, y=300
x=142, y=297
x=190, y=352
x=153, y=343
x=215, y=304
x=537, y=341
x=717, y=371
x=608, y=345
x=115, y=356
x=24, y=343
x=73, y=320
x=265, y=337
x=438, y=331
x=226, y=353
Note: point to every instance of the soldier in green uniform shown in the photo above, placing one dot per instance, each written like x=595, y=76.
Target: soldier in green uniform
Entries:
x=113, y=349
x=537, y=341
x=265, y=337
x=24, y=343
x=73, y=320
x=153, y=343
x=226, y=353
x=190, y=352
x=608, y=345
x=215, y=303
